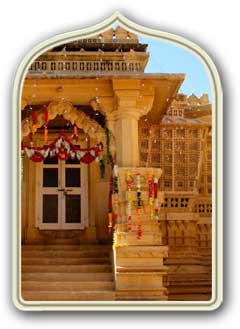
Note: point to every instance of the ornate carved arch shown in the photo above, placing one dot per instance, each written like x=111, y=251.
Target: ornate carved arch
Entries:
x=69, y=112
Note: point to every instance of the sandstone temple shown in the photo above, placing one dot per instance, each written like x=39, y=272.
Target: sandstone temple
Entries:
x=116, y=177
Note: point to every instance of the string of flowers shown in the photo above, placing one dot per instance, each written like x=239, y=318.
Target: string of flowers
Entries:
x=115, y=197
x=156, y=203
x=101, y=167
x=34, y=122
x=110, y=208
x=129, y=182
x=75, y=133
x=151, y=195
x=62, y=148
x=113, y=182
x=108, y=152
x=45, y=126
x=139, y=207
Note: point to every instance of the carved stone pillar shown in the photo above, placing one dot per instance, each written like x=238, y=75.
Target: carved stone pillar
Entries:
x=130, y=104
x=126, y=129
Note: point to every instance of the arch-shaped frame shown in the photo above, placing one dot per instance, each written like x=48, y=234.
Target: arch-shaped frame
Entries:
x=217, y=168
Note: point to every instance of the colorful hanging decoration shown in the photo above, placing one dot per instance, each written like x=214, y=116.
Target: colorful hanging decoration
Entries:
x=31, y=139
x=75, y=133
x=62, y=148
x=110, y=208
x=139, y=207
x=115, y=197
x=45, y=126
x=129, y=182
x=151, y=195
x=34, y=122
x=113, y=185
x=101, y=167
x=108, y=152
x=156, y=203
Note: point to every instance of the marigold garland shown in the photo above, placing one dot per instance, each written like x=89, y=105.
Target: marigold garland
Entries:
x=139, y=207
x=156, y=203
x=45, y=126
x=151, y=194
x=110, y=219
x=62, y=148
x=102, y=167
x=34, y=121
x=75, y=133
x=115, y=197
x=129, y=182
x=108, y=152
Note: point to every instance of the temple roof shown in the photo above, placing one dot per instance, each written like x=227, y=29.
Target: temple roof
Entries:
x=110, y=40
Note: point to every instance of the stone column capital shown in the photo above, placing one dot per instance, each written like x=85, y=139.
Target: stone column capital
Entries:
x=125, y=113
x=133, y=96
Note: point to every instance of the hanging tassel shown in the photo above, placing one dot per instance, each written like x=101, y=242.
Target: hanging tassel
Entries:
x=156, y=204
x=102, y=168
x=115, y=213
x=75, y=133
x=139, y=224
x=151, y=195
x=45, y=134
x=115, y=198
x=34, y=120
x=109, y=155
x=31, y=139
x=45, y=126
x=139, y=207
x=46, y=116
x=129, y=181
x=110, y=222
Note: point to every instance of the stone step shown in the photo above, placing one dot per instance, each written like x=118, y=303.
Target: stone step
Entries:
x=188, y=269
x=66, y=253
x=159, y=295
x=66, y=268
x=142, y=298
x=83, y=247
x=189, y=277
x=189, y=283
x=68, y=296
x=64, y=261
x=184, y=261
x=67, y=286
x=189, y=289
x=67, y=277
x=67, y=272
x=189, y=297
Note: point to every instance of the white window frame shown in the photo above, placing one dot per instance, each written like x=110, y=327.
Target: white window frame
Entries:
x=82, y=190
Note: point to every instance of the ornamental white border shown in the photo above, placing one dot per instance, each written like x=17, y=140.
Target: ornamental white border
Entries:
x=217, y=171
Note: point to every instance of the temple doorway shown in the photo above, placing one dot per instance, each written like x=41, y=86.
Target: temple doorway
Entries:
x=62, y=194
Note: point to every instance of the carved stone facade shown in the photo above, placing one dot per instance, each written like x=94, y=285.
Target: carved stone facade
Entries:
x=154, y=131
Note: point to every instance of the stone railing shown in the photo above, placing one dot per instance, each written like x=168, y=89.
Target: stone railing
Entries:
x=203, y=207
x=101, y=40
x=75, y=68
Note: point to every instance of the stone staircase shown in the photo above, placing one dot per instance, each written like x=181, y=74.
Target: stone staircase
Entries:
x=189, y=277
x=67, y=273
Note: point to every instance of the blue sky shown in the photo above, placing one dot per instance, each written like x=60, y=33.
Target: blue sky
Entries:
x=168, y=58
